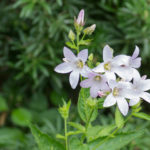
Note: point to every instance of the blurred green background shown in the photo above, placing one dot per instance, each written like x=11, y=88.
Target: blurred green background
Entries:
x=32, y=36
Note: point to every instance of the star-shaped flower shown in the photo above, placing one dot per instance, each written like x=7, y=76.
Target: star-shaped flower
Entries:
x=75, y=65
x=119, y=92
x=140, y=87
x=95, y=82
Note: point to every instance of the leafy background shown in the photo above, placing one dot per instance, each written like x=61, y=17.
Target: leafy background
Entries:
x=32, y=36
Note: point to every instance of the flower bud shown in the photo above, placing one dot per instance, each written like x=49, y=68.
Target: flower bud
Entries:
x=90, y=30
x=91, y=102
x=90, y=57
x=71, y=35
x=80, y=20
x=64, y=110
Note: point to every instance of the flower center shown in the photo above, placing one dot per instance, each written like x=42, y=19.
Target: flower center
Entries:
x=107, y=66
x=79, y=64
x=115, y=91
x=97, y=78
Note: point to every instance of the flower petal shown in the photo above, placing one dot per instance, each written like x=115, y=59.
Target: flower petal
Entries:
x=110, y=76
x=144, y=85
x=109, y=101
x=107, y=53
x=145, y=96
x=69, y=55
x=85, y=71
x=94, y=91
x=124, y=72
x=63, y=68
x=86, y=83
x=112, y=84
x=99, y=68
x=122, y=105
x=134, y=101
x=74, y=79
x=136, y=52
x=80, y=19
x=83, y=55
x=136, y=63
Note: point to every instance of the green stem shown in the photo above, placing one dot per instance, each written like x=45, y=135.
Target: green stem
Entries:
x=66, y=136
x=78, y=42
x=112, y=134
x=86, y=127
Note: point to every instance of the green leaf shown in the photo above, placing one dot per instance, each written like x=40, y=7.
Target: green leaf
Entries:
x=69, y=44
x=85, y=42
x=77, y=126
x=115, y=143
x=21, y=116
x=9, y=136
x=96, y=132
x=142, y=115
x=75, y=144
x=119, y=118
x=44, y=141
x=83, y=109
x=3, y=104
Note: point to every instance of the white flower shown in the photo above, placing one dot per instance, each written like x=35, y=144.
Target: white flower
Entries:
x=140, y=86
x=75, y=65
x=120, y=91
x=128, y=63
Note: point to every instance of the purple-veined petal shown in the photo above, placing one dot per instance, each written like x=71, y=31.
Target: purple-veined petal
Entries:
x=63, y=68
x=99, y=68
x=74, y=79
x=134, y=101
x=69, y=55
x=122, y=105
x=136, y=52
x=83, y=55
x=107, y=53
x=145, y=96
x=144, y=77
x=135, y=63
x=86, y=83
x=94, y=91
x=109, y=101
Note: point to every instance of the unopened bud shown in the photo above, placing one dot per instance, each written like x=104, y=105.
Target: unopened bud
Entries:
x=91, y=102
x=64, y=110
x=71, y=35
x=90, y=57
x=90, y=30
x=80, y=20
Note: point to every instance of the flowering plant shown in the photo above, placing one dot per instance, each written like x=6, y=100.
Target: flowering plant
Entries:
x=113, y=82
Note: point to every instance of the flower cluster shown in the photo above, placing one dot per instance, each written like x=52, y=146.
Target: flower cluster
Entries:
x=116, y=78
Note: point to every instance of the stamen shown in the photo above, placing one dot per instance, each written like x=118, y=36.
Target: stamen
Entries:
x=115, y=91
x=97, y=78
x=79, y=64
x=107, y=66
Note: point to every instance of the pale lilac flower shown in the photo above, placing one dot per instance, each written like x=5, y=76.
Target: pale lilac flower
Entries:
x=80, y=19
x=128, y=63
x=75, y=65
x=101, y=93
x=140, y=86
x=119, y=92
x=95, y=82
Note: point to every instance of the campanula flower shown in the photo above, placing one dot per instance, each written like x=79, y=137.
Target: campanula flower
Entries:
x=75, y=65
x=95, y=82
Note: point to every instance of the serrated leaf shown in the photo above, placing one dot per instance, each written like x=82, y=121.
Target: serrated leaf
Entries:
x=119, y=118
x=115, y=143
x=44, y=141
x=142, y=115
x=83, y=109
